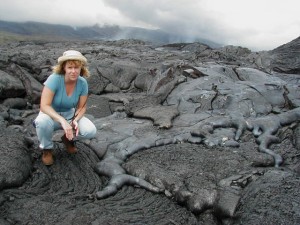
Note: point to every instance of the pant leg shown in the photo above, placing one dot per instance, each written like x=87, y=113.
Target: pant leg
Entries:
x=87, y=129
x=45, y=127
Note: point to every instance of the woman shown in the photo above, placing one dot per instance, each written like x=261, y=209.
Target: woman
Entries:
x=63, y=105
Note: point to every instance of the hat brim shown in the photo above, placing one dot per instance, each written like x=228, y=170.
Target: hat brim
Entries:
x=72, y=57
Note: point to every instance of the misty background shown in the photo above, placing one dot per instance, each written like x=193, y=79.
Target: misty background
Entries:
x=257, y=24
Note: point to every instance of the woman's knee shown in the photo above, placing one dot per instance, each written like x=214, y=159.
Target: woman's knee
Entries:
x=90, y=131
x=93, y=131
x=87, y=128
x=43, y=121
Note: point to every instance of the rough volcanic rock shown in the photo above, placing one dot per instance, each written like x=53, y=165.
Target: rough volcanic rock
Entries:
x=186, y=134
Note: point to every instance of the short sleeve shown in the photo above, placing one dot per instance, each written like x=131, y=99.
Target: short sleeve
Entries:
x=85, y=87
x=52, y=82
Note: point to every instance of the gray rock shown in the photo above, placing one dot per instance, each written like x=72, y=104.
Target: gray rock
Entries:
x=186, y=134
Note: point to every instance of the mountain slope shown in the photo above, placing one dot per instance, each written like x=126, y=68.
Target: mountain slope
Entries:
x=95, y=32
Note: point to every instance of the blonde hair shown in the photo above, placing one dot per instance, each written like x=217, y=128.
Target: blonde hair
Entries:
x=59, y=68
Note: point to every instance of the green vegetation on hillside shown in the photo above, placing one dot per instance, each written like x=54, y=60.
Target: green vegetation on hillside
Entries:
x=7, y=37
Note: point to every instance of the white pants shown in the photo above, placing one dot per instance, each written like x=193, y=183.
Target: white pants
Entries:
x=45, y=127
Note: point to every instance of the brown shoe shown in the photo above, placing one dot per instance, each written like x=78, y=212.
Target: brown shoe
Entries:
x=70, y=145
x=47, y=157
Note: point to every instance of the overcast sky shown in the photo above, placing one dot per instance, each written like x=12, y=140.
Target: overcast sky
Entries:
x=255, y=24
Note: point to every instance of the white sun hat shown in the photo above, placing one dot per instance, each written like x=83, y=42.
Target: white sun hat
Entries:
x=72, y=55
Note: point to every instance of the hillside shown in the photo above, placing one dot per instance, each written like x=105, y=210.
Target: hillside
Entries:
x=39, y=30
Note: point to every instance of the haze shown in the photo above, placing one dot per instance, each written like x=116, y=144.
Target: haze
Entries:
x=256, y=24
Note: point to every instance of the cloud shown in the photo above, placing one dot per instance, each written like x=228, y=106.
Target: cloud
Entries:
x=256, y=24
x=65, y=12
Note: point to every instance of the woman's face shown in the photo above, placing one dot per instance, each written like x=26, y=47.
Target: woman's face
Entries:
x=72, y=70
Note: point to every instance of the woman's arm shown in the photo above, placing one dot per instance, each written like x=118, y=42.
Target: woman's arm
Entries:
x=46, y=101
x=81, y=107
x=80, y=111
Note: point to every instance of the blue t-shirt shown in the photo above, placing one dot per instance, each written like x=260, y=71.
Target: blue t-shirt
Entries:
x=61, y=102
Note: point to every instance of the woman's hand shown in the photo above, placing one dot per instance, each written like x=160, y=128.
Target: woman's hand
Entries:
x=68, y=129
x=75, y=127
